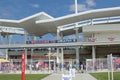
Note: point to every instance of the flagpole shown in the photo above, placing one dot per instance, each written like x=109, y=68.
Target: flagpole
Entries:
x=77, y=34
x=76, y=8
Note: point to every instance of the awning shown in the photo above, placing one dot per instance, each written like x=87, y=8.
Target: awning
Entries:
x=4, y=60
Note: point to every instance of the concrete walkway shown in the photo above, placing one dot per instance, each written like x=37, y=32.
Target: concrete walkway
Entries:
x=81, y=76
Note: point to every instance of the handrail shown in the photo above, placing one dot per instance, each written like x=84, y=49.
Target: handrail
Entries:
x=11, y=30
x=92, y=21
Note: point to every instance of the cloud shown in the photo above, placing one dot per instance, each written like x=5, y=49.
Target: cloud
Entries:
x=88, y=4
x=5, y=15
x=35, y=5
x=7, y=12
x=81, y=7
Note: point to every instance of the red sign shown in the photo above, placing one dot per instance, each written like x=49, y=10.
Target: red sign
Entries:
x=91, y=39
x=52, y=57
x=23, y=67
x=111, y=38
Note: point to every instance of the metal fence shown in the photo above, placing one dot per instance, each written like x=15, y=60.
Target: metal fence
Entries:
x=100, y=65
x=103, y=64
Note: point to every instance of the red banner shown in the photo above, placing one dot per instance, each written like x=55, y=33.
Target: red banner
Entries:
x=23, y=67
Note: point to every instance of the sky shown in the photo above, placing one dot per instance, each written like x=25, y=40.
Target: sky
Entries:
x=18, y=9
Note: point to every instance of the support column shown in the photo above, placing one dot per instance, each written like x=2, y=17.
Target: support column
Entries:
x=58, y=33
x=77, y=55
x=49, y=59
x=10, y=37
x=33, y=38
x=7, y=42
x=94, y=57
x=7, y=37
x=91, y=21
x=26, y=57
x=62, y=53
x=62, y=57
x=0, y=38
x=58, y=37
x=25, y=37
x=77, y=47
x=32, y=51
x=6, y=54
x=31, y=61
x=77, y=34
x=57, y=57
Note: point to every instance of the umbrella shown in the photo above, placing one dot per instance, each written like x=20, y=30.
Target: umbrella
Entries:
x=117, y=61
x=4, y=60
x=40, y=63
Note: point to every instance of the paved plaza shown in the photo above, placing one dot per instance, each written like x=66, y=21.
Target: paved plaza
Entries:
x=81, y=76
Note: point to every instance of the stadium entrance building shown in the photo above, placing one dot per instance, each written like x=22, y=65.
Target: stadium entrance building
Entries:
x=100, y=35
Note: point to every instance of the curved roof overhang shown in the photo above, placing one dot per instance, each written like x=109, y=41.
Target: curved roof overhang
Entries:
x=87, y=15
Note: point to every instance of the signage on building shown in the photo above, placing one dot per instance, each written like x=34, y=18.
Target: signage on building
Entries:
x=91, y=39
x=111, y=38
x=44, y=57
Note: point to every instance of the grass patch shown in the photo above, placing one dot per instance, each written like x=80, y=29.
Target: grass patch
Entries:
x=18, y=76
x=104, y=75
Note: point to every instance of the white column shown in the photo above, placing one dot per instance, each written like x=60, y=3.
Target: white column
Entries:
x=0, y=38
x=93, y=56
x=91, y=21
x=77, y=33
x=77, y=47
x=25, y=37
x=49, y=58
x=57, y=57
x=61, y=36
x=6, y=54
x=58, y=33
x=7, y=42
x=26, y=56
x=77, y=55
x=31, y=60
x=62, y=57
x=7, y=37
x=58, y=37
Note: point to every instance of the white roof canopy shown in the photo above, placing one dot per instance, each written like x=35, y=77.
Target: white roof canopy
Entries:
x=28, y=23
x=41, y=23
